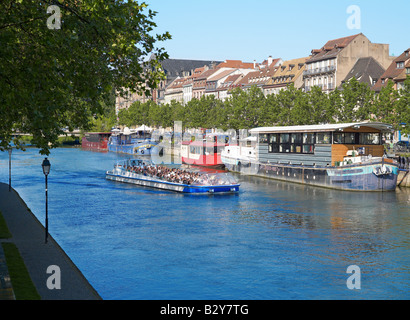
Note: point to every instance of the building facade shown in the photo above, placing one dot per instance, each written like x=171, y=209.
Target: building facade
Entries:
x=329, y=65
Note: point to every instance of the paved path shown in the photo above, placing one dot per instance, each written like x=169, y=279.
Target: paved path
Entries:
x=28, y=236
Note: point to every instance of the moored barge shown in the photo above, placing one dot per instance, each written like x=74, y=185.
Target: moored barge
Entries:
x=96, y=140
x=347, y=156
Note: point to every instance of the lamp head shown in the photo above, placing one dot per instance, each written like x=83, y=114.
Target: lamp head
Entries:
x=46, y=166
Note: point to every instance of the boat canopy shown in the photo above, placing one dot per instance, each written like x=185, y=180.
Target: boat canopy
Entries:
x=323, y=127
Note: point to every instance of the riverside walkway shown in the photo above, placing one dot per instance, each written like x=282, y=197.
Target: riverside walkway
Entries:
x=28, y=236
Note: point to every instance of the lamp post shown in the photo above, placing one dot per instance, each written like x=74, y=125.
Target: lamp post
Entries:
x=46, y=170
x=10, y=150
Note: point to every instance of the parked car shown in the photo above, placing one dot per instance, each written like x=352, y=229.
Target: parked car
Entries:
x=402, y=145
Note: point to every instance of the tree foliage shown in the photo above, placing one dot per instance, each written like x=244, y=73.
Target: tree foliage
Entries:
x=54, y=78
x=246, y=109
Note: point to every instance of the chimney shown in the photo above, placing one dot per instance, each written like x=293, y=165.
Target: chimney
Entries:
x=254, y=64
x=270, y=60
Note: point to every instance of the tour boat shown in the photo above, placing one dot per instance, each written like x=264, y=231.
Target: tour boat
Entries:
x=205, y=152
x=134, y=142
x=140, y=172
x=346, y=156
x=96, y=140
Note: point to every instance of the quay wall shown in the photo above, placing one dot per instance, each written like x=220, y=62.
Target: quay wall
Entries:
x=404, y=178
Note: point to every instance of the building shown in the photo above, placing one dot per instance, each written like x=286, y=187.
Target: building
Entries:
x=329, y=66
x=258, y=78
x=290, y=72
x=224, y=89
x=397, y=72
x=366, y=70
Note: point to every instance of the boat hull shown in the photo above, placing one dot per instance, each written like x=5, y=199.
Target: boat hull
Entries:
x=164, y=185
x=355, y=177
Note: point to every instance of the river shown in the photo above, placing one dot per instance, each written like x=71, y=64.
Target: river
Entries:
x=272, y=240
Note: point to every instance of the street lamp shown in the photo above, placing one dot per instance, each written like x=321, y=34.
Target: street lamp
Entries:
x=46, y=170
x=10, y=150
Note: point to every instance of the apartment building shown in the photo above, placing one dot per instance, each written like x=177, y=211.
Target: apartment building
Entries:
x=329, y=66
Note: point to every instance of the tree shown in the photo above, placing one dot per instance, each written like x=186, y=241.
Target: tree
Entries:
x=321, y=110
x=54, y=78
x=403, y=107
x=356, y=102
x=385, y=104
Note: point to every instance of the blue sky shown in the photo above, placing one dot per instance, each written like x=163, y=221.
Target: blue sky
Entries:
x=288, y=29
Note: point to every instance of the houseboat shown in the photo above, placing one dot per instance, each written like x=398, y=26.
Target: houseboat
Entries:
x=346, y=156
x=96, y=140
x=143, y=173
x=204, y=152
x=134, y=142
x=241, y=157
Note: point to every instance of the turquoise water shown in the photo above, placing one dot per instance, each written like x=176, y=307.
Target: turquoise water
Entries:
x=273, y=240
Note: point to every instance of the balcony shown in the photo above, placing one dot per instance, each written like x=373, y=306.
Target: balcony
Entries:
x=319, y=70
x=329, y=86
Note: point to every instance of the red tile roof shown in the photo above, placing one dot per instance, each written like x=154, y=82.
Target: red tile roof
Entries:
x=235, y=64
x=331, y=48
x=392, y=71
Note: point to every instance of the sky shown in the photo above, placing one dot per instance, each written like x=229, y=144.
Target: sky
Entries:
x=288, y=29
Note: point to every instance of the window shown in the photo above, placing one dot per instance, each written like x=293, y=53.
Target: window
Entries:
x=344, y=138
x=273, y=143
x=369, y=138
x=284, y=145
x=291, y=143
x=400, y=65
x=308, y=142
x=323, y=137
x=263, y=138
x=296, y=142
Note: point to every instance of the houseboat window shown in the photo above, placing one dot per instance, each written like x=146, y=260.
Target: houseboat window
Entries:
x=308, y=143
x=296, y=138
x=195, y=149
x=273, y=148
x=284, y=147
x=284, y=142
x=308, y=138
x=210, y=150
x=308, y=148
x=284, y=138
x=323, y=137
x=350, y=137
x=369, y=138
x=338, y=138
x=273, y=138
x=345, y=138
x=263, y=138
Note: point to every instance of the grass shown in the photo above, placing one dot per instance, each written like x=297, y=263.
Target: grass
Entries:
x=23, y=286
x=4, y=230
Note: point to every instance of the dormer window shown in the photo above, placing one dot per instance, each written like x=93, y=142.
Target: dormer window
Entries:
x=383, y=81
x=400, y=65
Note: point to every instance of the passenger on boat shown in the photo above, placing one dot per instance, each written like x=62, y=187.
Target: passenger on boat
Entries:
x=171, y=175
